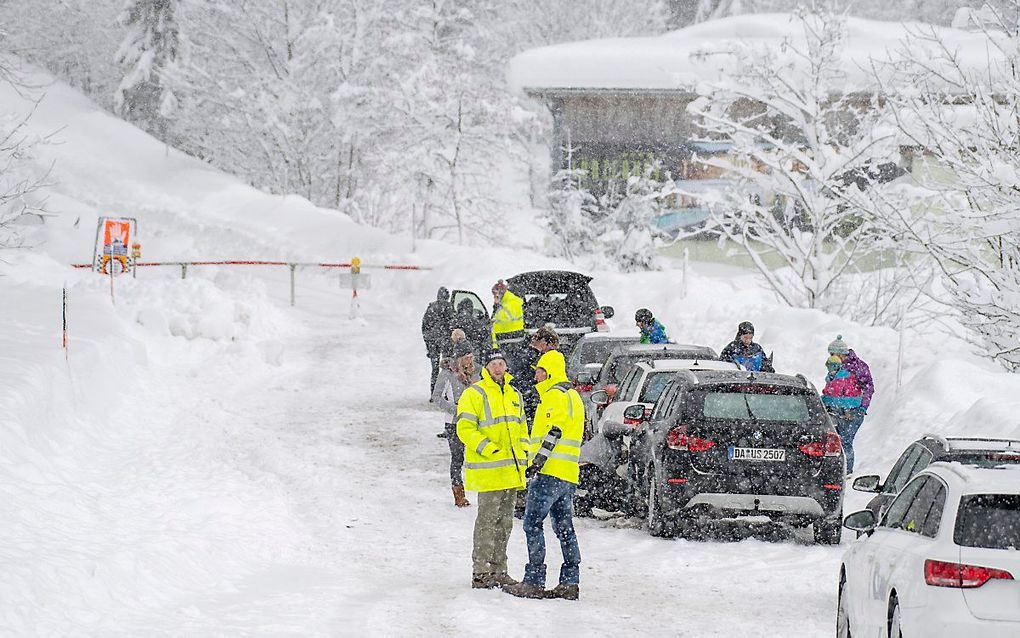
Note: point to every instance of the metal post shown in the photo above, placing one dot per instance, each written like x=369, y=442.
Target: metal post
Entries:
x=184, y=270
x=899, y=354
x=64, y=321
x=683, y=273
x=293, y=269
x=109, y=267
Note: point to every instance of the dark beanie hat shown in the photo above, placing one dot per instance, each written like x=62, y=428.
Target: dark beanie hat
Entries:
x=745, y=328
x=462, y=348
x=492, y=356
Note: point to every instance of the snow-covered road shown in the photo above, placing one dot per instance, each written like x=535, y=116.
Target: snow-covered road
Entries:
x=298, y=488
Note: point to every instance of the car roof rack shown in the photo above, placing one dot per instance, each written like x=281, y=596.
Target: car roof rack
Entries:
x=938, y=437
x=950, y=440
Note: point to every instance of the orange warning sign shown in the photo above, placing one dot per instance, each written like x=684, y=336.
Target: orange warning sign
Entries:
x=113, y=236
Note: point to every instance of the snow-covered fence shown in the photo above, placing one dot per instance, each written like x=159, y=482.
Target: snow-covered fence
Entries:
x=292, y=265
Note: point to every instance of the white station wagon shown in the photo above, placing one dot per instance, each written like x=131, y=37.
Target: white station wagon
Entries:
x=943, y=561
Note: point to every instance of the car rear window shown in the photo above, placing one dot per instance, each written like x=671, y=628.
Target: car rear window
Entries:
x=597, y=351
x=743, y=406
x=989, y=520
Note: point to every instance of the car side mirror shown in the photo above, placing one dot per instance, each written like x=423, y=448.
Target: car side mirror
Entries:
x=585, y=378
x=862, y=522
x=868, y=483
x=635, y=412
x=607, y=312
x=600, y=397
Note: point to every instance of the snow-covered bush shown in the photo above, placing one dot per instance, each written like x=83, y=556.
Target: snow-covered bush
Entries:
x=18, y=178
x=613, y=230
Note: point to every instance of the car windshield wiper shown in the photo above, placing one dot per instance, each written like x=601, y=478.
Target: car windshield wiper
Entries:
x=750, y=412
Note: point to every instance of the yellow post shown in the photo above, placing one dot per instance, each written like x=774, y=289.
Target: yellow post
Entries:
x=355, y=271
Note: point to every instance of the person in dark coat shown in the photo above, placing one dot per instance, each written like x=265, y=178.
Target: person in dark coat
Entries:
x=744, y=352
x=476, y=328
x=435, y=330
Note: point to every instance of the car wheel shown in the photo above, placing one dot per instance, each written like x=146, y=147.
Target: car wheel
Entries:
x=658, y=525
x=842, y=612
x=828, y=531
x=895, y=631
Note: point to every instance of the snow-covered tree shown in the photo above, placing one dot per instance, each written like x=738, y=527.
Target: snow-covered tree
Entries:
x=803, y=145
x=687, y=12
x=148, y=49
x=75, y=39
x=614, y=230
x=964, y=120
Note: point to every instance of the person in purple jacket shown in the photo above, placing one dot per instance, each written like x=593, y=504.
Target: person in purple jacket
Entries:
x=851, y=420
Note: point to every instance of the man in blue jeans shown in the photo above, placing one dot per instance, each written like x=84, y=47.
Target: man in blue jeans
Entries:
x=554, y=453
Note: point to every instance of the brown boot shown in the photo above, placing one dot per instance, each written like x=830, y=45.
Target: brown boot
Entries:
x=525, y=590
x=504, y=579
x=458, y=496
x=566, y=591
x=483, y=581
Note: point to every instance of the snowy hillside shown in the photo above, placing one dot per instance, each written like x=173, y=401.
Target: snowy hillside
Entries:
x=211, y=461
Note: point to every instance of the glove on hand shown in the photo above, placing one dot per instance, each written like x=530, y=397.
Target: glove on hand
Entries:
x=531, y=472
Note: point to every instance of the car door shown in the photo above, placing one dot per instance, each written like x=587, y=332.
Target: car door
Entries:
x=872, y=569
x=457, y=296
x=915, y=543
x=900, y=559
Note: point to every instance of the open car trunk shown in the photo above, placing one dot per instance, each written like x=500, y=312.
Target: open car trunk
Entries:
x=559, y=297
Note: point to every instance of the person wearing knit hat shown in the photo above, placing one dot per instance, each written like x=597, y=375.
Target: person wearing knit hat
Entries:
x=744, y=352
x=839, y=346
x=492, y=427
x=850, y=395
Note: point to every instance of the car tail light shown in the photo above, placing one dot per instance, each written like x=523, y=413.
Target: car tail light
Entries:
x=676, y=481
x=832, y=446
x=677, y=439
x=939, y=573
x=627, y=421
x=580, y=387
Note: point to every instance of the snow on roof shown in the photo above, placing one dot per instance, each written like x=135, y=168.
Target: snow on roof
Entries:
x=673, y=61
x=980, y=480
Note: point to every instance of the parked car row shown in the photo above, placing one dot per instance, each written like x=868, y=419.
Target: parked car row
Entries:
x=681, y=438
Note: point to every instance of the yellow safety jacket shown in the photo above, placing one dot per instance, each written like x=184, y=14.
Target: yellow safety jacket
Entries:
x=491, y=423
x=561, y=406
x=508, y=320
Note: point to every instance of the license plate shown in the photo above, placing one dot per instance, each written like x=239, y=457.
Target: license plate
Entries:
x=756, y=454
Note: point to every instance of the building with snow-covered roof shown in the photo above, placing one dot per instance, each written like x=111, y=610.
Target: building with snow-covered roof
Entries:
x=619, y=105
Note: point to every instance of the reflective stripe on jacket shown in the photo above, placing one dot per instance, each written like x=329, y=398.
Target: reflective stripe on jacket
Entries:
x=561, y=407
x=508, y=320
x=491, y=424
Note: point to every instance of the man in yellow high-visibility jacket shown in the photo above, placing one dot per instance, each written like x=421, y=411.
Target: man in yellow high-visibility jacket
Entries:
x=554, y=454
x=507, y=318
x=490, y=422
